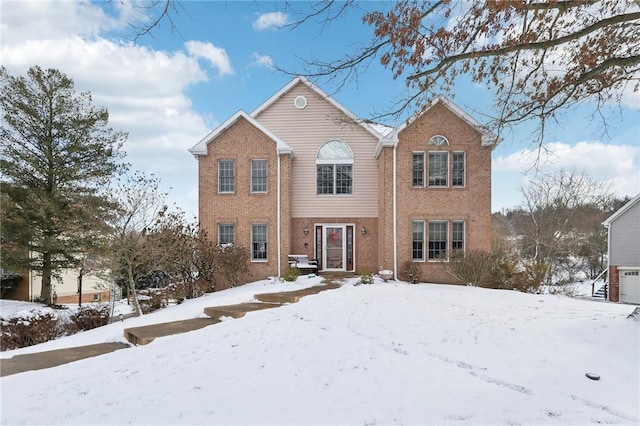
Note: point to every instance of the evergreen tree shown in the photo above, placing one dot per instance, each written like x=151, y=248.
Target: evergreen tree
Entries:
x=57, y=153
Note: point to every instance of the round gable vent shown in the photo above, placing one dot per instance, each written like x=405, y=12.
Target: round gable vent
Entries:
x=300, y=102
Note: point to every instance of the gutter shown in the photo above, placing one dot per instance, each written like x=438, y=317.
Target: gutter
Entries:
x=278, y=214
x=395, y=215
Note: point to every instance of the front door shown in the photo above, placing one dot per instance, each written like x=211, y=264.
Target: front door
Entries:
x=334, y=247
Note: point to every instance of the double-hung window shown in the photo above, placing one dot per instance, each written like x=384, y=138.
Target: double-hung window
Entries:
x=334, y=169
x=438, y=168
x=226, y=176
x=418, y=169
x=457, y=235
x=258, y=242
x=438, y=240
x=457, y=179
x=258, y=175
x=417, y=249
x=226, y=233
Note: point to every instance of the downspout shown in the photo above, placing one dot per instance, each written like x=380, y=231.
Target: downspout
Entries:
x=279, y=249
x=395, y=216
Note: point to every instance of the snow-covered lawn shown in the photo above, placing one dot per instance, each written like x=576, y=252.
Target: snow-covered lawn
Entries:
x=381, y=354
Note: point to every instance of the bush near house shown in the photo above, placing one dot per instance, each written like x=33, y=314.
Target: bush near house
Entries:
x=40, y=327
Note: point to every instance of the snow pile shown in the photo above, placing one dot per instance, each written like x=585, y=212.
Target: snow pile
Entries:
x=387, y=353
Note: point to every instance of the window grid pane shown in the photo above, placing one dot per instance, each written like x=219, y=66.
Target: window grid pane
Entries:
x=438, y=167
x=226, y=234
x=458, y=169
x=343, y=178
x=325, y=179
x=226, y=175
x=259, y=242
x=258, y=175
x=457, y=239
x=437, y=240
x=418, y=240
x=418, y=169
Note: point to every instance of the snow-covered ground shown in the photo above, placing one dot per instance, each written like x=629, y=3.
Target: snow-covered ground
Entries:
x=381, y=354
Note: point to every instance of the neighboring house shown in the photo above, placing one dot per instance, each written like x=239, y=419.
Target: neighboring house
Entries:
x=624, y=253
x=302, y=175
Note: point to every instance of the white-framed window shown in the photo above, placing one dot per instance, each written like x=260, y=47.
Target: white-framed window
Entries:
x=438, y=169
x=259, y=242
x=438, y=140
x=457, y=169
x=417, y=180
x=226, y=233
x=457, y=235
x=417, y=245
x=226, y=176
x=334, y=169
x=438, y=231
x=258, y=175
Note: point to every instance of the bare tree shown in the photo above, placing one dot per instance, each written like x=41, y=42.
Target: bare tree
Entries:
x=539, y=58
x=141, y=205
x=552, y=203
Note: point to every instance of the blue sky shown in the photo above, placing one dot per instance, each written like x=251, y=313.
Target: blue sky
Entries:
x=170, y=89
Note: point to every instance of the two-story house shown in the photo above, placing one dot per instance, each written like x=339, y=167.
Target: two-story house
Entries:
x=302, y=175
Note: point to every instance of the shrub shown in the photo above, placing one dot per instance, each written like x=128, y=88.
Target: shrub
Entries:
x=472, y=267
x=291, y=274
x=90, y=317
x=233, y=263
x=366, y=278
x=19, y=332
x=410, y=272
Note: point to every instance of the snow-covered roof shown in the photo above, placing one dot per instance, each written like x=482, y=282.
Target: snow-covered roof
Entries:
x=622, y=210
x=201, y=147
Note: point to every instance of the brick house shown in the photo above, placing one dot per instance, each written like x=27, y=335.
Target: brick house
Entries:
x=302, y=175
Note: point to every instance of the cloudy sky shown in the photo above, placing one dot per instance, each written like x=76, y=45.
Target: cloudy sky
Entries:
x=170, y=88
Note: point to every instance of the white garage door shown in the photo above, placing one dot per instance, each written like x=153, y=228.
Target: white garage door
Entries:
x=629, y=286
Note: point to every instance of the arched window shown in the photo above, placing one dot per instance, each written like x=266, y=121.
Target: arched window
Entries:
x=438, y=140
x=334, y=166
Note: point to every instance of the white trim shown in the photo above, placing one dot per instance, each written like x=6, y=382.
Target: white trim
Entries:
x=278, y=219
x=621, y=210
x=322, y=94
x=201, y=147
x=395, y=213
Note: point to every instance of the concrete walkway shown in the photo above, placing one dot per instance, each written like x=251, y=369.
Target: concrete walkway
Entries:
x=146, y=334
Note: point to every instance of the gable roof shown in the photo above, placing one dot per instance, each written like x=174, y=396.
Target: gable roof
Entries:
x=300, y=79
x=488, y=138
x=622, y=210
x=201, y=147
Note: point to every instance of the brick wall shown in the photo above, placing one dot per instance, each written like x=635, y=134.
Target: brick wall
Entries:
x=471, y=204
x=614, y=284
x=242, y=142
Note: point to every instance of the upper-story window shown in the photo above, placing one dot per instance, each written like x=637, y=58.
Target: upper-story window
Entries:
x=457, y=178
x=226, y=176
x=438, y=168
x=438, y=140
x=334, y=169
x=258, y=175
x=418, y=170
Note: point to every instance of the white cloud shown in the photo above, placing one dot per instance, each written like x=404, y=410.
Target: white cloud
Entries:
x=143, y=89
x=272, y=20
x=262, y=60
x=618, y=165
x=216, y=56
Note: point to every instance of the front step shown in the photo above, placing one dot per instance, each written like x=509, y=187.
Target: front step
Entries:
x=237, y=311
x=146, y=334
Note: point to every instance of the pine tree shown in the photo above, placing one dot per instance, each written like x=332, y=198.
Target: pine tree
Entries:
x=57, y=153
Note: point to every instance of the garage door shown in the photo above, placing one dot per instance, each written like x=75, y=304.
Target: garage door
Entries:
x=629, y=286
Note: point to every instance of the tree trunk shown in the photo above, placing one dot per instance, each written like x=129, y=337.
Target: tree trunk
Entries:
x=45, y=291
x=132, y=290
